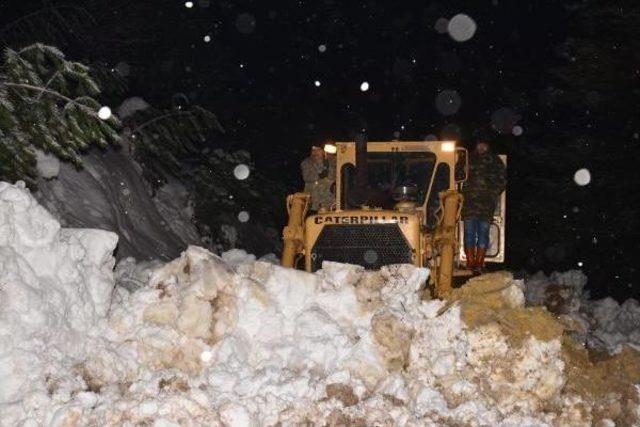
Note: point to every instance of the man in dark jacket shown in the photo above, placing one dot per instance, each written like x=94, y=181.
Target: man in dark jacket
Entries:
x=485, y=183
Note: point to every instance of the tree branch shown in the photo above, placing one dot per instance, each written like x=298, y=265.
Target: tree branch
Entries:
x=164, y=116
x=54, y=94
x=57, y=73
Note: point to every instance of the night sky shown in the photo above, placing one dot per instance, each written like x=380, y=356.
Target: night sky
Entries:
x=553, y=83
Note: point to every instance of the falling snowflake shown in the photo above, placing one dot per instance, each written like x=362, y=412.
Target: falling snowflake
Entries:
x=104, y=113
x=245, y=23
x=241, y=172
x=370, y=256
x=582, y=177
x=207, y=38
x=123, y=68
x=364, y=86
x=504, y=119
x=451, y=132
x=188, y=4
x=441, y=25
x=243, y=216
x=448, y=102
x=461, y=27
x=517, y=130
x=317, y=83
x=322, y=48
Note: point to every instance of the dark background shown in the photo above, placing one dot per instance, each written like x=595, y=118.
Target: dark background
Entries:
x=567, y=72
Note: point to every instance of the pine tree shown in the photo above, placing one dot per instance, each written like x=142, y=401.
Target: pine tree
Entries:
x=49, y=103
x=170, y=142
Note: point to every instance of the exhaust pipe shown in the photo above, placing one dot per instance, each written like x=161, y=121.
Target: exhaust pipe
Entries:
x=362, y=171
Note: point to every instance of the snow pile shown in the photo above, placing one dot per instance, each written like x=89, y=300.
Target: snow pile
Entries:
x=229, y=340
x=603, y=324
x=615, y=324
x=109, y=193
x=55, y=287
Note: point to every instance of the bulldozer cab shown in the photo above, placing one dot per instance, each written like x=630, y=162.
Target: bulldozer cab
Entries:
x=421, y=169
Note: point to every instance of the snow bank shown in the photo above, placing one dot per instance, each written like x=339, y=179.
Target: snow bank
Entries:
x=210, y=340
x=604, y=324
x=55, y=287
x=109, y=193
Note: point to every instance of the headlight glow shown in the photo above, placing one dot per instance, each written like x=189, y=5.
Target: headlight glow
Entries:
x=448, y=147
x=330, y=148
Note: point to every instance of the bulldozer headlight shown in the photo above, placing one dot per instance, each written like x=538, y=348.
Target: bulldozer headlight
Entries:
x=448, y=147
x=330, y=148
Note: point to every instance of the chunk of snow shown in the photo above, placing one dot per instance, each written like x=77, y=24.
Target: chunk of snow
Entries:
x=48, y=165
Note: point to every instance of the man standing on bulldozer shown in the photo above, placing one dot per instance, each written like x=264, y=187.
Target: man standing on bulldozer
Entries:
x=485, y=182
x=318, y=173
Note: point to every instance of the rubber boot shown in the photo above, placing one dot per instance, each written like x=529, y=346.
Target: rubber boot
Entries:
x=479, y=266
x=471, y=258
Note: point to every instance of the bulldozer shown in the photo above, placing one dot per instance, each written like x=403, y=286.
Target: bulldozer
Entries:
x=396, y=202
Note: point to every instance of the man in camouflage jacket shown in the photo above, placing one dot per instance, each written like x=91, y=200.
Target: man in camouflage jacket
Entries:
x=485, y=182
x=318, y=173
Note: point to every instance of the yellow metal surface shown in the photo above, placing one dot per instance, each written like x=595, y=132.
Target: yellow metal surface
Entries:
x=445, y=241
x=437, y=249
x=293, y=233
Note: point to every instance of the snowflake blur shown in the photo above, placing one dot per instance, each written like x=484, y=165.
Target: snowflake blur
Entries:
x=582, y=177
x=241, y=172
x=461, y=27
x=104, y=113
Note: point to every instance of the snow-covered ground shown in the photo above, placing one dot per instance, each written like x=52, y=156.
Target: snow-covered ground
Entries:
x=210, y=340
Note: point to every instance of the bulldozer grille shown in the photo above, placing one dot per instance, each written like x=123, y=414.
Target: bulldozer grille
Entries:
x=368, y=245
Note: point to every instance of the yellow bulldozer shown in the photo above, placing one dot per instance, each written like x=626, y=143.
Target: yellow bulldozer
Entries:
x=396, y=202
